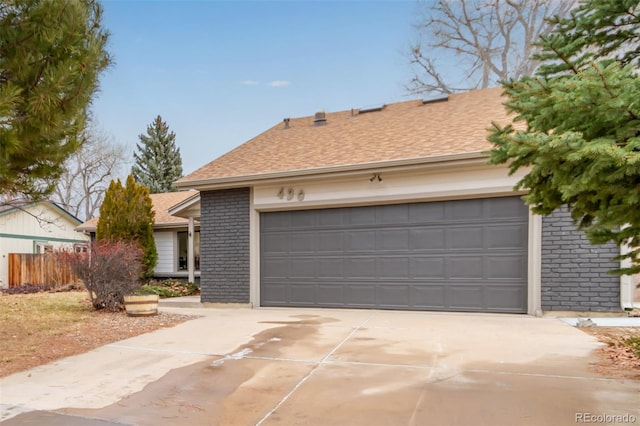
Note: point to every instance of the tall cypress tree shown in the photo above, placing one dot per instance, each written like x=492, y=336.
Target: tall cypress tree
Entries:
x=158, y=162
x=110, y=225
x=127, y=214
x=582, y=142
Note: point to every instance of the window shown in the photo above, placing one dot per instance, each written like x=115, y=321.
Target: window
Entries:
x=183, y=241
x=43, y=247
x=80, y=248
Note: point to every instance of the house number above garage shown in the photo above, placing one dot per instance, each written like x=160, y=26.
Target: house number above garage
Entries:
x=289, y=194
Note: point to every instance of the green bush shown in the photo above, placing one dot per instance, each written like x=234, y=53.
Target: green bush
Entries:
x=169, y=288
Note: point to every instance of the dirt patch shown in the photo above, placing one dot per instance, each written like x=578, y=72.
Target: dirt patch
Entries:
x=39, y=328
x=616, y=359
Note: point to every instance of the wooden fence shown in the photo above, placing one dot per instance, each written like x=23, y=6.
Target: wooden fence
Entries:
x=38, y=269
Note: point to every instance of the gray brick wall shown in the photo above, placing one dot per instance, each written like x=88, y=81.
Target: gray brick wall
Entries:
x=574, y=272
x=224, y=246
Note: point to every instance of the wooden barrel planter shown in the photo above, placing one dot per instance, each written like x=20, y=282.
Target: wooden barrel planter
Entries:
x=141, y=306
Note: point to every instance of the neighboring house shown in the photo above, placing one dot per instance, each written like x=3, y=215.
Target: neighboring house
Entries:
x=392, y=208
x=173, y=236
x=35, y=227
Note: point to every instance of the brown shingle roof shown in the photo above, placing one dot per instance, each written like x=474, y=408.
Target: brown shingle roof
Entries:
x=401, y=131
x=161, y=203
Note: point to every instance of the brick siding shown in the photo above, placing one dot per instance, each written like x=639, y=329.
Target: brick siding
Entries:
x=574, y=272
x=224, y=246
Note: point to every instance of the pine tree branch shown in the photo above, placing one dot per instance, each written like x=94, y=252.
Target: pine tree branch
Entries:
x=560, y=56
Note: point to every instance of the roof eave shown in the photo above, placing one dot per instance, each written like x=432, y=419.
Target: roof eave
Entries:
x=185, y=204
x=247, y=180
x=170, y=225
x=156, y=226
x=54, y=205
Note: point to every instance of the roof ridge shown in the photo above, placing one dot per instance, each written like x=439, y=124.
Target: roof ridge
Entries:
x=408, y=129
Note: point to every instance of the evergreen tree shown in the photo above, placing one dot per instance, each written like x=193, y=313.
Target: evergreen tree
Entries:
x=51, y=55
x=582, y=140
x=127, y=214
x=158, y=162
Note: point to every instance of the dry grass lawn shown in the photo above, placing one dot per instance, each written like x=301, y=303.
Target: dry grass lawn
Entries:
x=42, y=327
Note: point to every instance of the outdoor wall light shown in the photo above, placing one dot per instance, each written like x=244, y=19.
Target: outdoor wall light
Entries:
x=374, y=177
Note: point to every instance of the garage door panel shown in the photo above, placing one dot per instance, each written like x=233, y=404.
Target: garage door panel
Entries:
x=331, y=268
x=330, y=242
x=303, y=268
x=361, y=216
x=360, y=268
x=363, y=295
x=427, y=239
x=275, y=268
x=506, y=208
x=396, y=296
x=467, y=267
x=465, y=238
x=392, y=267
x=275, y=294
x=503, y=298
x=275, y=243
x=303, y=218
x=466, y=255
x=469, y=209
x=275, y=222
x=508, y=236
x=303, y=294
x=360, y=241
x=464, y=296
x=430, y=297
x=393, y=239
x=507, y=266
x=332, y=294
x=302, y=242
x=332, y=217
x=427, y=267
x=425, y=213
x=392, y=214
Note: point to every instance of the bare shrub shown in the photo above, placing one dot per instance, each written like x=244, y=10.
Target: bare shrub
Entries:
x=110, y=270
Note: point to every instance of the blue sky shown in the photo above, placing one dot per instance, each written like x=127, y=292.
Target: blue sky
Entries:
x=221, y=72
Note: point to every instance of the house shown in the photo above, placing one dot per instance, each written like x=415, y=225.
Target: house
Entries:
x=391, y=207
x=35, y=227
x=175, y=236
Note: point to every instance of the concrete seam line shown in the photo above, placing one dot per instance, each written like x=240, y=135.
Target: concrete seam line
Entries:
x=339, y=362
x=313, y=370
x=379, y=364
x=426, y=367
x=268, y=358
x=555, y=376
x=347, y=338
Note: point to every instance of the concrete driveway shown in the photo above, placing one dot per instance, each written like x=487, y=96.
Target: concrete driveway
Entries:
x=329, y=367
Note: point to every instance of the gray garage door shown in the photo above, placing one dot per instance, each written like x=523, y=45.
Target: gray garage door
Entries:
x=463, y=255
